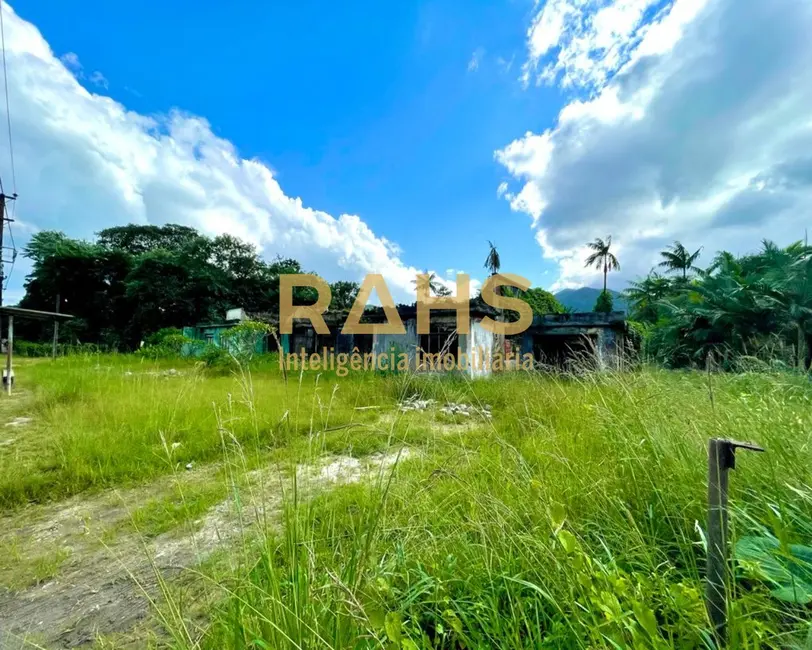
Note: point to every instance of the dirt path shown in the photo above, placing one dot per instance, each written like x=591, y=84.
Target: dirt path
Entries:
x=103, y=583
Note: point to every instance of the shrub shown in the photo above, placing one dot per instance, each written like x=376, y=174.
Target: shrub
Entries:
x=605, y=303
x=243, y=340
x=159, y=337
x=215, y=357
x=169, y=345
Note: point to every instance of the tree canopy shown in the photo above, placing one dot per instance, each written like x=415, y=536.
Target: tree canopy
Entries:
x=135, y=280
x=755, y=304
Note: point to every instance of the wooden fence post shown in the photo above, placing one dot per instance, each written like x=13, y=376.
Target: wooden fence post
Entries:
x=721, y=459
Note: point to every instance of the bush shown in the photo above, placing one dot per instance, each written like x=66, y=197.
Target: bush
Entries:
x=242, y=340
x=32, y=349
x=169, y=344
x=36, y=349
x=605, y=303
x=216, y=358
x=159, y=337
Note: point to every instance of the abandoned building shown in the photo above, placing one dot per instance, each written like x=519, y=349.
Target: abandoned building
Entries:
x=563, y=340
x=554, y=340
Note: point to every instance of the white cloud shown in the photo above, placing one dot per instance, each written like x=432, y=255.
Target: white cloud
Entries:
x=84, y=162
x=98, y=79
x=476, y=59
x=583, y=42
x=71, y=60
x=697, y=128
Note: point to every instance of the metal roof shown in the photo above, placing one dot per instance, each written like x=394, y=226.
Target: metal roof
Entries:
x=34, y=314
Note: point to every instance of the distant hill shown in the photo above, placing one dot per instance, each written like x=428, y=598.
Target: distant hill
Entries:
x=583, y=299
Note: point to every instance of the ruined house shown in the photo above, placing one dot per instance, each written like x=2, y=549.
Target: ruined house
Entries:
x=554, y=340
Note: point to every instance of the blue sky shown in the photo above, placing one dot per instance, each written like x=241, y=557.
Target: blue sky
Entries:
x=432, y=127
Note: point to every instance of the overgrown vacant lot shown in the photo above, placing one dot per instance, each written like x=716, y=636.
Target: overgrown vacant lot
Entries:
x=157, y=504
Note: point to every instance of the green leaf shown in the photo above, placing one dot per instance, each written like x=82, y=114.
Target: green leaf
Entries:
x=647, y=619
x=568, y=541
x=393, y=625
x=557, y=515
x=788, y=570
x=450, y=617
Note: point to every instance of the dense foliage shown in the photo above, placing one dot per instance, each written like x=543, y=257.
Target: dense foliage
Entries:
x=542, y=302
x=605, y=303
x=757, y=305
x=136, y=280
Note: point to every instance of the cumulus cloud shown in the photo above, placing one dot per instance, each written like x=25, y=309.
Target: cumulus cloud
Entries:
x=84, y=162
x=692, y=123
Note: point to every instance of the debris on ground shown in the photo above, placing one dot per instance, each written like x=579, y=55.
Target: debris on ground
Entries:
x=413, y=403
x=171, y=372
x=348, y=469
x=466, y=410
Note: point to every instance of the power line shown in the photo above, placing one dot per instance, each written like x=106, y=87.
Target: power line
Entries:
x=4, y=216
x=8, y=107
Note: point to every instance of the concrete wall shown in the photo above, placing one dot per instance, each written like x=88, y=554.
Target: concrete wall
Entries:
x=609, y=348
x=479, y=348
x=384, y=343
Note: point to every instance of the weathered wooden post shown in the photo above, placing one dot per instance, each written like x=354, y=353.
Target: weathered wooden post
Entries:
x=721, y=459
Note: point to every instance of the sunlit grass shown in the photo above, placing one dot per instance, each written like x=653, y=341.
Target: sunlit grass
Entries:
x=573, y=518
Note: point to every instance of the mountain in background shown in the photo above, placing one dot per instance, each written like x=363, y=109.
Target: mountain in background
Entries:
x=583, y=299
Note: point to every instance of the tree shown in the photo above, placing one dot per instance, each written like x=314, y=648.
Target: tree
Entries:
x=605, y=303
x=135, y=280
x=434, y=284
x=137, y=239
x=492, y=262
x=644, y=296
x=677, y=258
x=755, y=305
x=542, y=302
x=602, y=257
x=343, y=294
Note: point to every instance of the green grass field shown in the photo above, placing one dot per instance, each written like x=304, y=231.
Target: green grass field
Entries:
x=572, y=518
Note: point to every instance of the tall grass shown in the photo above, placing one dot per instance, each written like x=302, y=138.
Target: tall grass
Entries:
x=104, y=420
x=573, y=520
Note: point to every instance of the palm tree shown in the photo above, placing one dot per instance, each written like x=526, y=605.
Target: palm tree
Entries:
x=645, y=295
x=492, y=262
x=434, y=285
x=602, y=257
x=677, y=258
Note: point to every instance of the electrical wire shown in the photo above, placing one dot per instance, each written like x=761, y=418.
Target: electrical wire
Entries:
x=4, y=219
x=8, y=108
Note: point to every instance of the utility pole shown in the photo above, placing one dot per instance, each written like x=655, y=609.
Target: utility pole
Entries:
x=56, y=327
x=4, y=219
x=2, y=232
